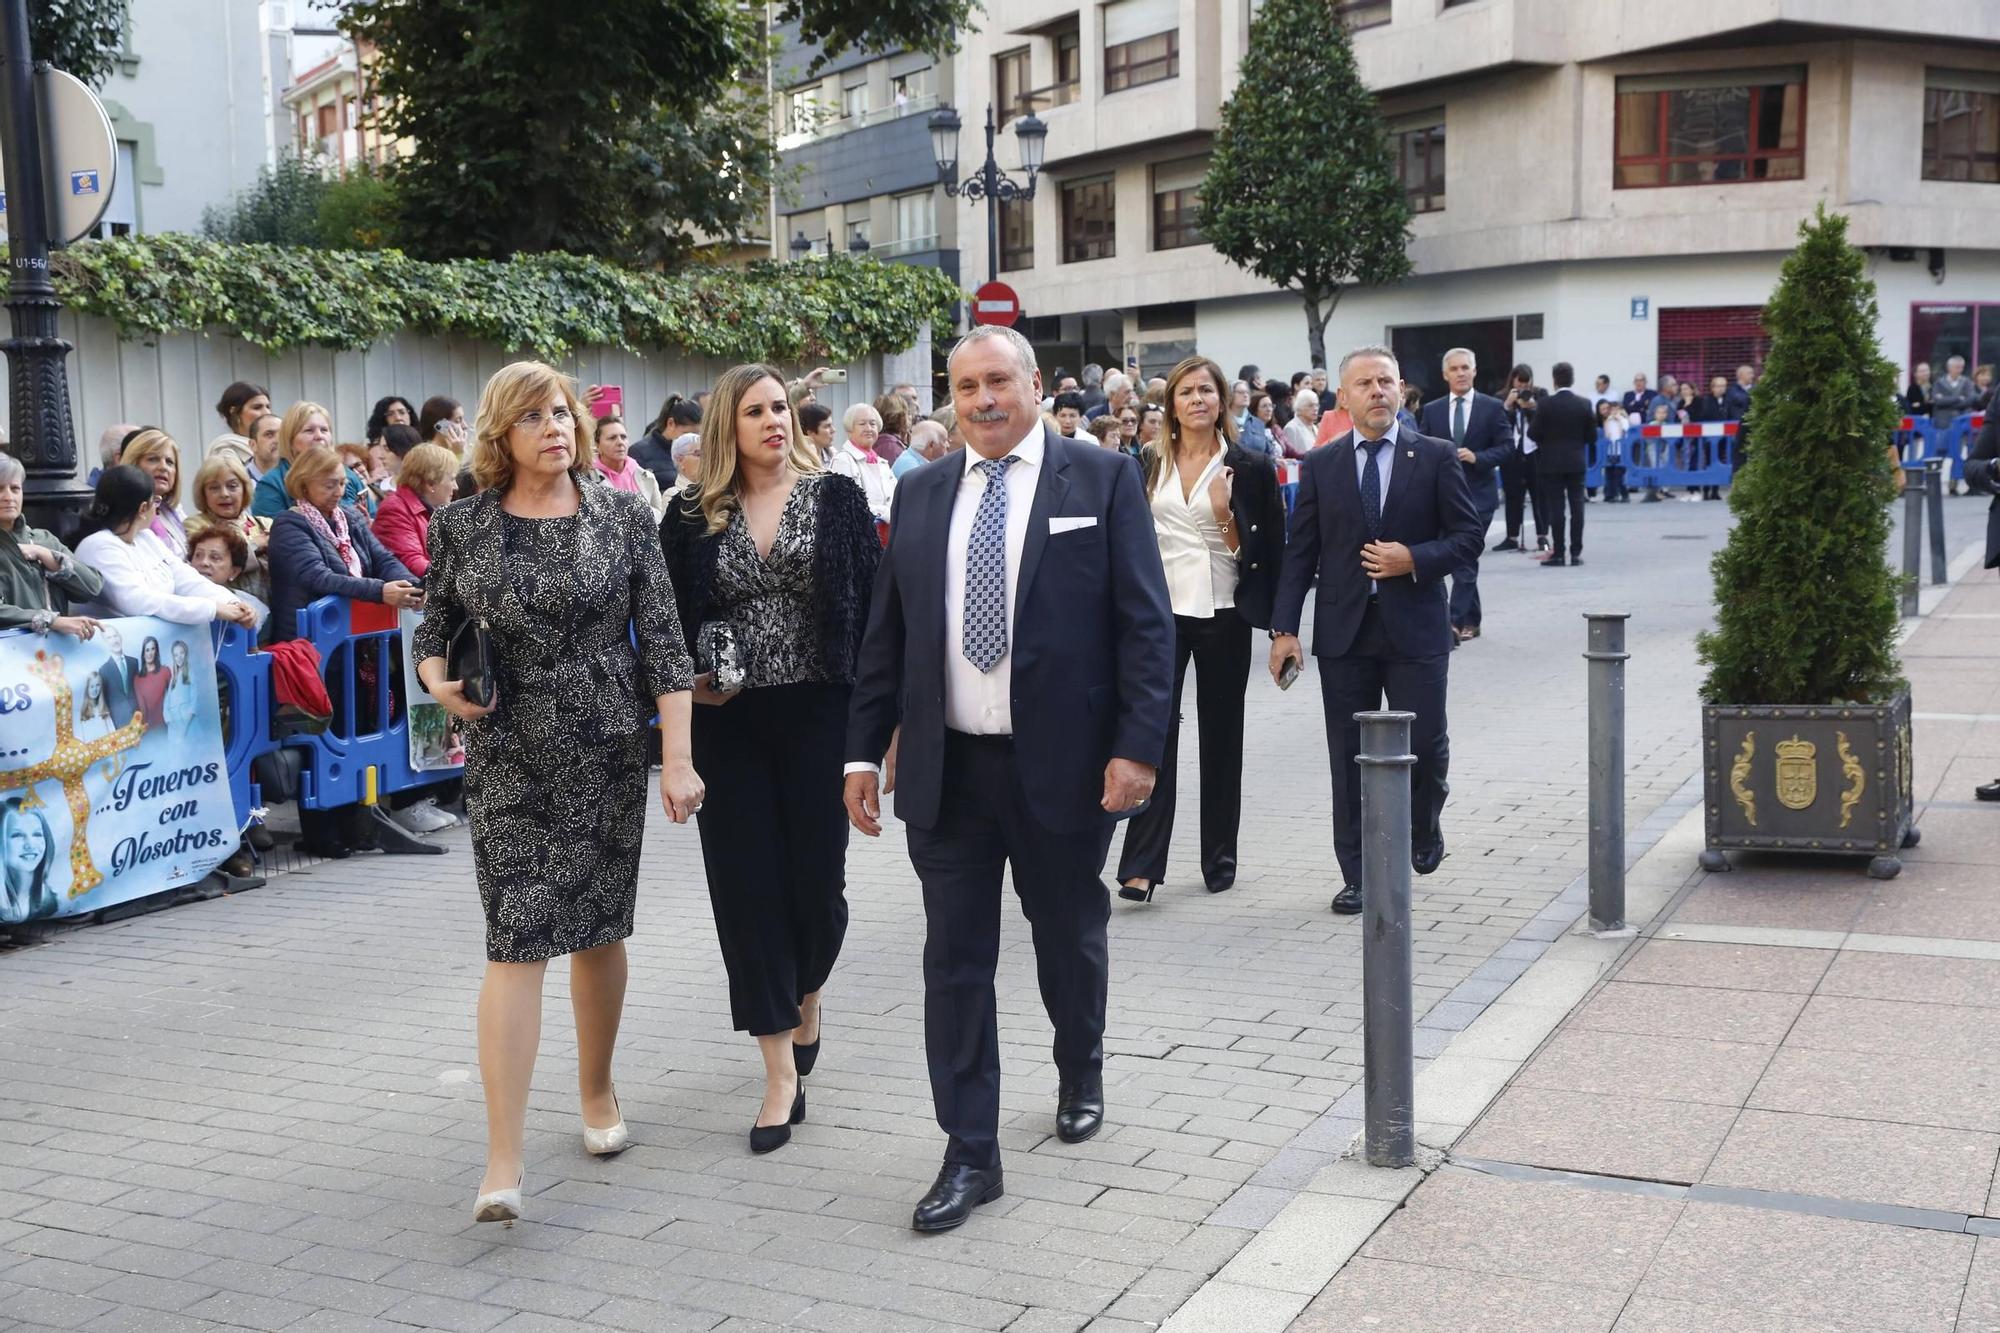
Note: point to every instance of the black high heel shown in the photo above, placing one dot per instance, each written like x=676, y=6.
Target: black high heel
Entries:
x=1133, y=893
x=770, y=1138
x=806, y=1054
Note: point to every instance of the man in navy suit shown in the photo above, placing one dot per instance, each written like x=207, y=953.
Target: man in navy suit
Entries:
x=120, y=675
x=1020, y=657
x=1477, y=426
x=1382, y=516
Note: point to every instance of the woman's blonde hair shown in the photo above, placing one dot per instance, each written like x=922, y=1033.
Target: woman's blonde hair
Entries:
x=309, y=467
x=1166, y=446
x=512, y=392
x=152, y=441
x=222, y=465
x=716, y=491
x=294, y=421
x=427, y=465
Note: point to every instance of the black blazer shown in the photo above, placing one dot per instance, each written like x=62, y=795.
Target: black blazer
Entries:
x=1563, y=428
x=845, y=553
x=1259, y=508
x=1488, y=434
x=1428, y=509
x=1982, y=473
x=1092, y=643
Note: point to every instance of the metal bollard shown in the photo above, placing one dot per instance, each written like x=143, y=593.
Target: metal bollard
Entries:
x=1387, y=1017
x=1913, y=537
x=1934, y=492
x=1606, y=655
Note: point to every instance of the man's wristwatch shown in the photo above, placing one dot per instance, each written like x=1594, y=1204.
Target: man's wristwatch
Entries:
x=42, y=621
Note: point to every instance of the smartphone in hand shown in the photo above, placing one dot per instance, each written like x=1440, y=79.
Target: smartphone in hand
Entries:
x=1289, y=673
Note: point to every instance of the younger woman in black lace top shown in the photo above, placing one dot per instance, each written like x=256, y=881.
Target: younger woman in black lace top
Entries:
x=772, y=560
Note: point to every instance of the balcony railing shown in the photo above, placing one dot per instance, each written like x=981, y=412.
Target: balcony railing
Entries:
x=835, y=126
x=908, y=245
x=1041, y=99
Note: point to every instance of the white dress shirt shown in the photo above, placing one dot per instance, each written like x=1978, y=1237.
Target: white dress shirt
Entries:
x=142, y=579
x=1201, y=569
x=850, y=460
x=977, y=702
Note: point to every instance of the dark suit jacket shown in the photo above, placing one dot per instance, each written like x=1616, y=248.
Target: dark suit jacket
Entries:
x=1259, y=508
x=1488, y=434
x=1428, y=509
x=120, y=676
x=1562, y=429
x=1982, y=473
x=1092, y=643
x=1707, y=407
x=305, y=567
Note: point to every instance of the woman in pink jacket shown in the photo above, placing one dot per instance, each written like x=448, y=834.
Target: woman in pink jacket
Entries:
x=426, y=480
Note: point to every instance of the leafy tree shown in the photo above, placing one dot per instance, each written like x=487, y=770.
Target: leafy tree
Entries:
x=1806, y=604
x=281, y=207
x=1301, y=186
x=357, y=212
x=617, y=128
x=80, y=37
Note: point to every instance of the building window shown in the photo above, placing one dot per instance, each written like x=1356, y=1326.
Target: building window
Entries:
x=854, y=101
x=1961, y=126
x=1088, y=224
x=1358, y=14
x=1017, y=235
x=1418, y=142
x=1726, y=128
x=1142, y=43
x=802, y=110
x=858, y=233
x=912, y=85
x=1011, y=78
x=1069, y=66
x=1177, y=203
x=916, y=216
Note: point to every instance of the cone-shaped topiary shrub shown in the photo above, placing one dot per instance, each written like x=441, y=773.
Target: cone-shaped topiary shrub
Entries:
x=1806, y=603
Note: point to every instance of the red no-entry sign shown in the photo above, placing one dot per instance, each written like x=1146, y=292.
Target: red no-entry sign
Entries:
x=996, y=303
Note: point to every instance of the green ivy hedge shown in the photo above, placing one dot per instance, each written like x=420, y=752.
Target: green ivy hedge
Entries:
x=834, y=309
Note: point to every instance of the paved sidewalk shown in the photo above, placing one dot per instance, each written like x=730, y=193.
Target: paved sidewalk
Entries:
x=1777, y=1111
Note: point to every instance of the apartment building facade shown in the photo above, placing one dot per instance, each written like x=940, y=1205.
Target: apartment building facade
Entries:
x=1609, y=182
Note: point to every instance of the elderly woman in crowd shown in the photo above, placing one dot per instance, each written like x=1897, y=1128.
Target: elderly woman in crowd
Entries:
x=39, y=577
x=240, y=407
x=1302, y=431
x=772, y=561
x=154, y=453
x=687, y=462
x=424, y=485
x=565, y=580
x=856, y=459
x=615, y=464
x=894, y=410
x=222, y=498
x=141, y=577
x=219, y=554
x=306, y=427
x=1220, y=523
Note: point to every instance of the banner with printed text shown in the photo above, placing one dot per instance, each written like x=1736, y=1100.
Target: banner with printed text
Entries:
x=113, y=780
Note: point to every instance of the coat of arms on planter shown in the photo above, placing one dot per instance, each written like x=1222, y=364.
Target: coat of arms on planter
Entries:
x=1798, y=778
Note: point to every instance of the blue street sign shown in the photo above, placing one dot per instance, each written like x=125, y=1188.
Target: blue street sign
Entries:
x=1641, y=307
x=83, y=182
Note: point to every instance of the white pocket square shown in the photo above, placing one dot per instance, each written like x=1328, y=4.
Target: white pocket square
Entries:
x=1070, y=524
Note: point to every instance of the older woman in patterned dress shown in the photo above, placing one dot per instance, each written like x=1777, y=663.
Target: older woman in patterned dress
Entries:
x=559, y=572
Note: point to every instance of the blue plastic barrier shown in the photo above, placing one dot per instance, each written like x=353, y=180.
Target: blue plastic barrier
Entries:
x=1957, y=439
x=1696, y=454
x=246, y=734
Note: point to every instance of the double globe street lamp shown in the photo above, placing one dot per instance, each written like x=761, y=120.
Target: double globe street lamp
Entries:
x=990, y=183
x=803, y=245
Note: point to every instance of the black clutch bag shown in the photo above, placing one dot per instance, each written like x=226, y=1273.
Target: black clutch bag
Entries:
x=469, y=660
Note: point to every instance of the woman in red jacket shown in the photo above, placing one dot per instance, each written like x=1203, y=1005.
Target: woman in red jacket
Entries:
x=426, y=480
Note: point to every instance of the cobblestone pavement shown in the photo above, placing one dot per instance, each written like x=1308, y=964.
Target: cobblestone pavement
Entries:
x=262, y=1111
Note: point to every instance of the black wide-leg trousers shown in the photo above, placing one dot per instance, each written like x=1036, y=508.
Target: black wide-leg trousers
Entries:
x=1220, y=648
x=984, y=826
x=774, y=841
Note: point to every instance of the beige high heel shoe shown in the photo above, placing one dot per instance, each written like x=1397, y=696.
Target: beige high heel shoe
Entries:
x=608, y=1142
x=500, y=1205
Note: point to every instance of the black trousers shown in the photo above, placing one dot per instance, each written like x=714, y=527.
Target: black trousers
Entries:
x=1465, y=608
x=1517, y=475
x=983, y=827
x=1559, y=489
x=1357, y=682
x=1219, y=646
x=774, y=841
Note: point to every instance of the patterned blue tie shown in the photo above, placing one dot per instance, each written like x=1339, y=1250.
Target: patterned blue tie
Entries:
x=1371, y=486
x=985, y=632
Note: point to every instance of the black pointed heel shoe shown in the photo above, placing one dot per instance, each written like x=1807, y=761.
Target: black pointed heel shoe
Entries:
x=806, y=1054
x=770, y=1138
x=1132, y=893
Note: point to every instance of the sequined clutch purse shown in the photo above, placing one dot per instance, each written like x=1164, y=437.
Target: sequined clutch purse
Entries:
x=716, y=651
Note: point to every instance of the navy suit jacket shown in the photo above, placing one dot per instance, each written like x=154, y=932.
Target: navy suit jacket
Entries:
x=1563, y=429
x=1092, y=642
x=1487, y=434
x=1428, y=509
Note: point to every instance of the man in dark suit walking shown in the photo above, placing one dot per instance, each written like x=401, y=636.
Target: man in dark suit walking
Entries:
x=1563, y=429
x=1021, y=638
x=1382, y=516
x=1476, y=424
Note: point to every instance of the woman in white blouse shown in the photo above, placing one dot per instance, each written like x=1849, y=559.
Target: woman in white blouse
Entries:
x=1221, y=528
x=856, y=458
x=141, y=578
x=1302, y=431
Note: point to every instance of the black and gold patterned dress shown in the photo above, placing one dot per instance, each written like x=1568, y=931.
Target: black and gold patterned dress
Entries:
x=556, y=776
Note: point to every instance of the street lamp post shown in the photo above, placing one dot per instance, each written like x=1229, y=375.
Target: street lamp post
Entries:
x=41, y=435
x=990, y=183
x=803, y=245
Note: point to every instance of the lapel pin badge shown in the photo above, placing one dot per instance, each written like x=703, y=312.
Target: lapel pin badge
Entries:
x=1409, y=453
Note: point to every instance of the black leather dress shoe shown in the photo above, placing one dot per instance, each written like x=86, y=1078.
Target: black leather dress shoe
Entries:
x=1988, y=792
x=959, y=1190
x=1348, y=901
x=1220, y=875
x=1555, y=562
x=1509, y=545
x=1080, y=1109
x=1425, y=858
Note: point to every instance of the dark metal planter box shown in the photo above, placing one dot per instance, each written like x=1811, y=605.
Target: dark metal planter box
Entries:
x=1792, y=778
